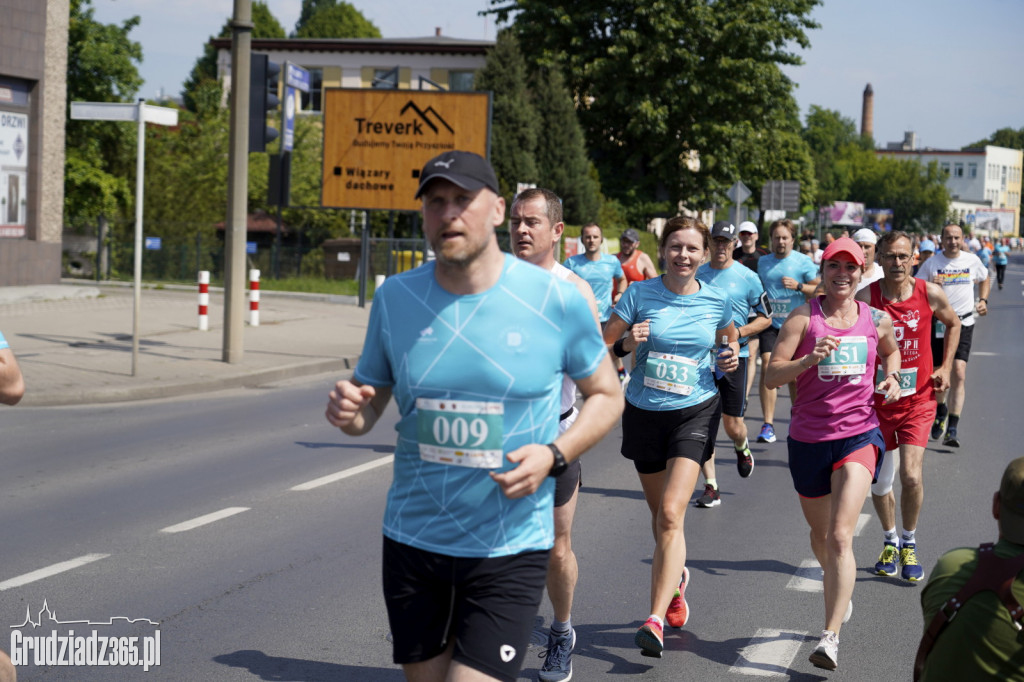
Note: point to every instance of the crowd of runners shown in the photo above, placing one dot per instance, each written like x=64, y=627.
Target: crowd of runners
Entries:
x=484, y=353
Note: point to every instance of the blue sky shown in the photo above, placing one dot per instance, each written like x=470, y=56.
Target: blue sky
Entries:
x=946, y=69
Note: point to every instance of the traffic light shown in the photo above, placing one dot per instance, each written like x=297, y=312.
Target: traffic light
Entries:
x=262, y=100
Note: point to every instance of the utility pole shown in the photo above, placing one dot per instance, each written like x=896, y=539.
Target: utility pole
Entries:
x=238, y=176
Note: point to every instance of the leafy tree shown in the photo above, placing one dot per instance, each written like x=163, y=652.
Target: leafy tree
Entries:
x=333, y=19
x=197, y=89
x=514, y=118
x=561, y=156
x=1004, y=137
x=659, y=80
x=99, y=167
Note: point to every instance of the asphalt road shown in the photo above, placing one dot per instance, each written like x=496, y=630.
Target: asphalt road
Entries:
x=100, y=508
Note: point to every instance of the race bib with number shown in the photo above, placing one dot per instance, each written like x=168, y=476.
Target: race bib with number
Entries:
x=463, y=433
x=908, y=381
x=780, y=307
x=672, y=373
x=849, y=359
x=940, y=330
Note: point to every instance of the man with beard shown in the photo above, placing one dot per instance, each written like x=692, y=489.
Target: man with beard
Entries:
x=474, y=346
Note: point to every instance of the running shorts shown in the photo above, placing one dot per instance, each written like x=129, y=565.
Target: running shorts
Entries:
x=811, y=464
x=908, y=424
x=650, y=438
x=487, y=605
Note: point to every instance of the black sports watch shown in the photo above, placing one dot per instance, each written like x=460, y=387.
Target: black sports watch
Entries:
x=560, y=465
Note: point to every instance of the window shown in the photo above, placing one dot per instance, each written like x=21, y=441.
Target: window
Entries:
x=460, y=81
x=385, y=79
x=958, y=170
x=972, y=170
x=311, y=100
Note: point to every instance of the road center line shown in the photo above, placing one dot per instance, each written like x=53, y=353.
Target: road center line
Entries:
x=50, y=570
x=769, y=653
x=203, y=520
x=331, y=478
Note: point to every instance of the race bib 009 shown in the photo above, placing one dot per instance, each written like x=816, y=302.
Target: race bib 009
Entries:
x=460, y=432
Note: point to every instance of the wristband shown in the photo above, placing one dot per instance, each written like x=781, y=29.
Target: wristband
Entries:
x=618, y=349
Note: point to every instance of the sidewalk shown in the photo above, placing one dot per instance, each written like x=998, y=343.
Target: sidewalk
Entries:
x=74, y=341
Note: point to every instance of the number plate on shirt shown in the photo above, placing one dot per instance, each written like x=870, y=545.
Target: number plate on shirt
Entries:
x=849, y=359
x=672, y=373
x=460, y=432
x=908, y=381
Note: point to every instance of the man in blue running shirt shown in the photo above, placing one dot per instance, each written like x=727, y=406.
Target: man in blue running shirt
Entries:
x=789, y=279
x=602, y=272
x=473, y=346
x=750, y=315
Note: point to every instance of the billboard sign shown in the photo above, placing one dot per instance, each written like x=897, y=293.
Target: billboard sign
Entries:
x=848, y=213
x=376, y=141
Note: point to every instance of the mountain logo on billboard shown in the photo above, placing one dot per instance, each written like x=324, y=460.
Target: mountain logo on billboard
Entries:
x=426, y=116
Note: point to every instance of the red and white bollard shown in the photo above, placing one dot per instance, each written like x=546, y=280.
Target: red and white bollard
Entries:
x=254, y=298
x=204, y=300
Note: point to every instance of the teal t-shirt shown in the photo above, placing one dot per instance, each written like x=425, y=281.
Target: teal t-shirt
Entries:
x=474, y=377
x=673, y=367
x=771, y=270
x=599, y=274
x=745, y=293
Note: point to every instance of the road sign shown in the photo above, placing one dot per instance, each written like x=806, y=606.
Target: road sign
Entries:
x=376, y=141
x=738, y=193
x=780, y=195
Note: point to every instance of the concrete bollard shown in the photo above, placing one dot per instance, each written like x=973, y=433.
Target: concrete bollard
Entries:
x=254, y=298
x=204, y=300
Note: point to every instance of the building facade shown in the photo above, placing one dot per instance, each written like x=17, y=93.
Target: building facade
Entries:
x=33, y=100
x=403, y=63
x=977, y=179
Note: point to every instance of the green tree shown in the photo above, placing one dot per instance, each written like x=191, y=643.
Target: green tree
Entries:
x=202, y=85
x=333, y=19
x=658, y=81
x=1004, y=137
x=561, y=155
x=514, y=119
x=99, y=167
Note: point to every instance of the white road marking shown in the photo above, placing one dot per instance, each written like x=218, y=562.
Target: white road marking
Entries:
x=862, y=521
x=807, y=578
x=203, y=520
x=769, y=653
x=50, y=570
x=331, y=478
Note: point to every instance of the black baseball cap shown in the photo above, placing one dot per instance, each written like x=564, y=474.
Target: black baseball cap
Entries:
x=723, y=228
x=466, y=169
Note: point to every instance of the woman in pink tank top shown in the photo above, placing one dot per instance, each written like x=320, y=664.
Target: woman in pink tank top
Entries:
x=828, y=346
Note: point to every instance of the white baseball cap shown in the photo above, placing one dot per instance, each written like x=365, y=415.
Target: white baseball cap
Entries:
x=747, y=226
x=865, y=236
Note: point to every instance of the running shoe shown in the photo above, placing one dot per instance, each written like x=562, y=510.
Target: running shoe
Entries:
x=938, y=426
x=649, y=639
x=888, y=560
x=767, y=434
x=951, y=440
x=678, y=610
x=710, y=498
x=558, y=658
x=912, y=570
x=826, y=654
x=744, y=462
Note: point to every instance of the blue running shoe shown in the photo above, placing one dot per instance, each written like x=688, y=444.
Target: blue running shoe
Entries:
x=767, y=434
x=558, y=658
x=889, y=560
x=912, y=570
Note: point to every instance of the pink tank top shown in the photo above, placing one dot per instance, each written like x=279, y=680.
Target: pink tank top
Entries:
x=835, y=399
